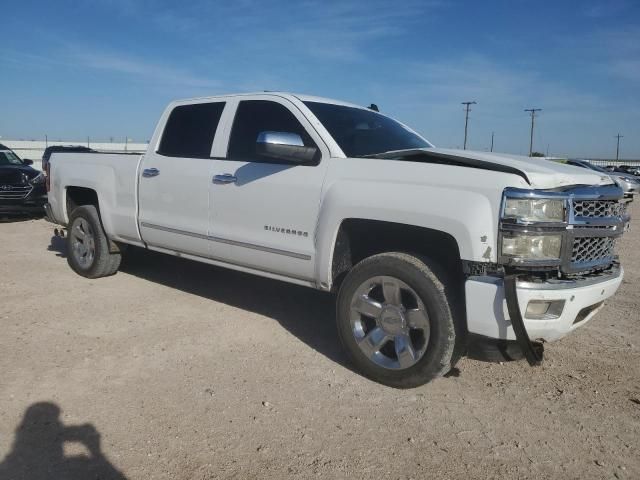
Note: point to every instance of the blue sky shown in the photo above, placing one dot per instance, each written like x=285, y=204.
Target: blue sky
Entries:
x=107, y=68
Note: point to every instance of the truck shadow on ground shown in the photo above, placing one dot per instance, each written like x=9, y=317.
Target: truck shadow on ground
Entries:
x=58, y=245
x=18, y=218
x=306, y=313
x=38, y=451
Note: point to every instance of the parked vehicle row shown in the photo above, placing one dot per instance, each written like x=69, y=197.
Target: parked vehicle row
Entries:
x=432, y=252
x=629, y=183
x=627, y=169
x=22, y=188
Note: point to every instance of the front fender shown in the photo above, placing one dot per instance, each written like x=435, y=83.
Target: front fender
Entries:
x=468, y=216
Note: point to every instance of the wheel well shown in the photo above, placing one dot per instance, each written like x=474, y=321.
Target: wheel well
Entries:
x=358, y=239
x=78, y=196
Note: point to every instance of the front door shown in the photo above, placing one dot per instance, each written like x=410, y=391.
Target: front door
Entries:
x=267, y=209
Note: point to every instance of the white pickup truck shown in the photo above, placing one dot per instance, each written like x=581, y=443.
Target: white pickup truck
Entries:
x=433, y=253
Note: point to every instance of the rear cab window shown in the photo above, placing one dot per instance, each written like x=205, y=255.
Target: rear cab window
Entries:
x=190, y=130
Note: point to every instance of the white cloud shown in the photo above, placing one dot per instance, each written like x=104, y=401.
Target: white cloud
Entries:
x=601, y=9
x=136, y=68
x=627, y=69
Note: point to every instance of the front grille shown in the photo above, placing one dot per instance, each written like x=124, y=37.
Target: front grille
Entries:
x=599, y=208
x=14, y=192
x=591, y=249
x=596, y=217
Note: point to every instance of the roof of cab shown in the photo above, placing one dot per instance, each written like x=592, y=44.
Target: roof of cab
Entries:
x=289, y=95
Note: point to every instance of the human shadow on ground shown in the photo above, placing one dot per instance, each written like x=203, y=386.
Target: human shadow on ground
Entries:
x=38, y=453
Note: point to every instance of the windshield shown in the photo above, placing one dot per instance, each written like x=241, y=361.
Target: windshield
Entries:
x=9, y=158
x=360, y=132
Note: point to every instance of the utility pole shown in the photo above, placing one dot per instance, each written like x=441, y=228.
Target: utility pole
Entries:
x=618, y=137
x=533, y=117
x=492, y=141
x=467, y=109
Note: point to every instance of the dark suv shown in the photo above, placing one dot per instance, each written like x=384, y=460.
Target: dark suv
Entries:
x=22, y=188
x=62, y=148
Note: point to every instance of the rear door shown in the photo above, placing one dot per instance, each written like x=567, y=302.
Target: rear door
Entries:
x=265, y=209
x=175, y=180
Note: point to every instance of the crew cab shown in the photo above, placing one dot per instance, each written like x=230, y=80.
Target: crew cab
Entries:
x=433, y=253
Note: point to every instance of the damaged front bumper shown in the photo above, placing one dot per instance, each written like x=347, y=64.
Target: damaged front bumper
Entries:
x=495, y=311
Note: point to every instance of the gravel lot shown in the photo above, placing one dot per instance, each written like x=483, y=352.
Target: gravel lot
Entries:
x=173, y=369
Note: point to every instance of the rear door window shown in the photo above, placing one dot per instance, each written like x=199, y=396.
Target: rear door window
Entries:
x=190, y=130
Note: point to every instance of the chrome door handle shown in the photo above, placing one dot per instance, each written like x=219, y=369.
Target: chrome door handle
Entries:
x=224, y=178
x=150, y=172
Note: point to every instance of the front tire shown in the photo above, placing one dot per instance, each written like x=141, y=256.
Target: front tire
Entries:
x=88, y=246
x=395, y=321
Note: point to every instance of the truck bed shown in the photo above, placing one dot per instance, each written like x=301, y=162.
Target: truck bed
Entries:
x=113, y=175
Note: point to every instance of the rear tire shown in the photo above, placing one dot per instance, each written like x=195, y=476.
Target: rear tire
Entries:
x=88, y=246
x=395, y=321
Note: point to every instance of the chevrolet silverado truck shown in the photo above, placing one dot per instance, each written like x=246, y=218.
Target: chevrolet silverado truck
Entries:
x=433, y=253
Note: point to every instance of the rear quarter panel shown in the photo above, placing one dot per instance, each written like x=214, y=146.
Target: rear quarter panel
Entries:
x=114, y=178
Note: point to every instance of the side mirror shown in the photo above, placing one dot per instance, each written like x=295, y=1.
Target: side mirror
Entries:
x=284, y=146
x=26, y=161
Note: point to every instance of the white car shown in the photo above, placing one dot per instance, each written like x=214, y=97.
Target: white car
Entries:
x=433, y=253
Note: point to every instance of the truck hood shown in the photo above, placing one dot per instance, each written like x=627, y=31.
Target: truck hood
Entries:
x=538, y=172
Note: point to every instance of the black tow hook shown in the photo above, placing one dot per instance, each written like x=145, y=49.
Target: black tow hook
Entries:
x=533, y=351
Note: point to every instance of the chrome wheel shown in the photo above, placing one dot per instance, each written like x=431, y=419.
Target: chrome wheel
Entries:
x=83, y=243
x=389, y=322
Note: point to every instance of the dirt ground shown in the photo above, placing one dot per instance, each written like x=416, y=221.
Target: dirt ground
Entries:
x=173, y=369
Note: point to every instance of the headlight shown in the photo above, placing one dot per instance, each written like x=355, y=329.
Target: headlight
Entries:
x=531, y=246
x=534, y=209
x=38, y=179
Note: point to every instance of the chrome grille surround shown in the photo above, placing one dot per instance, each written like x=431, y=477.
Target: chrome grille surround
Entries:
x=596, y=216
x=14, y=192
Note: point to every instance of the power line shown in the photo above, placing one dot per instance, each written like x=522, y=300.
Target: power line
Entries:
x=618, y=137
x=533, y=117
x=466, y=120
